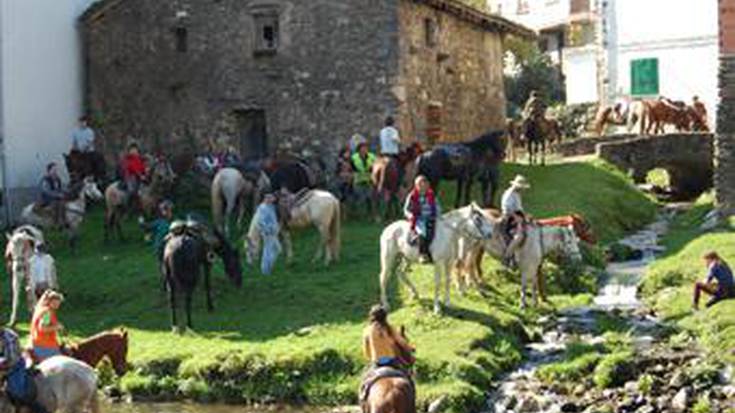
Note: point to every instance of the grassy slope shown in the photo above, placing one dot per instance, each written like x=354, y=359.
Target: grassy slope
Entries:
x=295, y=336
x=669, y=281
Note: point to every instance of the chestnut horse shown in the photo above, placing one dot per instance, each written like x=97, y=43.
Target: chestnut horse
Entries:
x=392, y=392
x=112, y=344
x=393, y=180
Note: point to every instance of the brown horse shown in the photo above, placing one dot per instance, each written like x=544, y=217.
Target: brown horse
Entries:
x=386, y=176
x=112, y=344
x=664, y=112
x=392, y=393
x=581, y=227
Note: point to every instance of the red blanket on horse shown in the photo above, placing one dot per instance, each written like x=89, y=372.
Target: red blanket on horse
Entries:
x=577, y=222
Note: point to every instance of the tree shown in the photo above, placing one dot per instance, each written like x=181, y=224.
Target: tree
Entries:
x=478, y=4
x=532, y=70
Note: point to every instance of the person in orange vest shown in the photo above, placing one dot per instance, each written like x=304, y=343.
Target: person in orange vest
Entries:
x=45, y=326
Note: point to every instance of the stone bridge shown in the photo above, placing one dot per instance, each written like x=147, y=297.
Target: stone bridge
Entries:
x=688, y=158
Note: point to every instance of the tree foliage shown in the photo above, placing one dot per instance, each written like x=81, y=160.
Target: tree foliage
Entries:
x=478, y=4
x=533, y=71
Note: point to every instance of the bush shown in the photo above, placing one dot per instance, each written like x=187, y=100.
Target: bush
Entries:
x=573, y=119
x=614, y=370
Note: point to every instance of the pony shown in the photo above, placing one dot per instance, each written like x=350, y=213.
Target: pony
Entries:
x=547, y=130
x=186, y=255
x=74, y=211
x=390, y=184
x=396, y=247
x=112, y=344
x=62, y=384
x=229, y=192
x=388, y=390
x=463, y=162
x=313, y=207
x=81, y=164
x=117, y=200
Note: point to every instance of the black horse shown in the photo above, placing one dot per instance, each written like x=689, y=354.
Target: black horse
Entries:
x=296, y=174
x=186, y=254
x=83, y=164
x=465, y=161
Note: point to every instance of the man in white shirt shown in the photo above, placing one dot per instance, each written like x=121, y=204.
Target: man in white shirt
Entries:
x=82, y=139
x=390, y=139
x=513, y=215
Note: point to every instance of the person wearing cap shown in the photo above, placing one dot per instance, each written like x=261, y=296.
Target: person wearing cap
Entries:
x=266, y=219
x=82, y=139
x=513, y=214
x=362, y=163
x=422, y=210
x=719, y=282
x=52, y=193
x=45, y=326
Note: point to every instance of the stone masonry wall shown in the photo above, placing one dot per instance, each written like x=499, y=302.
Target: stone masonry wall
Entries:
x=461, y=68
x=725, y=138
x=329, y=79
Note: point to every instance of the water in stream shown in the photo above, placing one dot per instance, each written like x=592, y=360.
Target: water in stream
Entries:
x=194, y=408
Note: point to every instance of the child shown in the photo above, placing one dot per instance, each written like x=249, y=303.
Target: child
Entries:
x=158, y=229
x=422, y=210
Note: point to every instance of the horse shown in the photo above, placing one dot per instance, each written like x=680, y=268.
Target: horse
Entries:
x=82, y=164
x=62, y=384
x=541, y=238
x=396, y=246
x=74, y=211
x=665, y=111
x=186, y=254
x=313, y=207
x=463, y=162
x=391, y=185
x=635, y=112
x=117, y=200
x=514, y=137
x=229, y=192
x=387, y=390
x=111, y=344
x=18, y=253
x=545, y=131
x=293, y=175
x=581, y=227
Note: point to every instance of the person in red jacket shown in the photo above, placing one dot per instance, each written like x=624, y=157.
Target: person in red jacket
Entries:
x=134, y=169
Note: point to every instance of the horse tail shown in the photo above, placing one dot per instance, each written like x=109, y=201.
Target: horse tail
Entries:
x=94, y=402
x=335, y=230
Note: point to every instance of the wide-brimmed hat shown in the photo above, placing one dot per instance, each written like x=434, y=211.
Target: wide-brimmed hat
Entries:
x=520, y=181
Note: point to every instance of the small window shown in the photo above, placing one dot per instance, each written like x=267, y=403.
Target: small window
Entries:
x=266, y=34
x=430, y=32
x=644, y=77
x=182, y=39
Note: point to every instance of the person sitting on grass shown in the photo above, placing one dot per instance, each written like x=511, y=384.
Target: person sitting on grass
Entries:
x=45, y=326
x=719, y=282
x=158, y=228
x=422, y=210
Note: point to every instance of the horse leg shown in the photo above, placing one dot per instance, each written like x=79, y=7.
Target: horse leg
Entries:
x=188, y=310
x=387, y=266
x=541, y=283
x=172, y=303
x=458, y=197
x=543, y=152
x=287, y=246
x=207, y=287
x=404, y=278
x=524, y=278
x=16, y=286
x=468, y=190
x=447, y=282
x=437, y=288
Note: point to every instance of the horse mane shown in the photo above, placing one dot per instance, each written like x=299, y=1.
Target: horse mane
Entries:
x=490, y=140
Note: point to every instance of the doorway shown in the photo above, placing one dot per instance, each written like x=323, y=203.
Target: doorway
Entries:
x=252, y=133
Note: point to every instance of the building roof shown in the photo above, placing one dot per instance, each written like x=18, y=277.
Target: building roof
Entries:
x=487, y=21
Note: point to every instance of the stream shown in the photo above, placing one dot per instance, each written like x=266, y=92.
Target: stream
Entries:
x=677, y=376
x=194, y=408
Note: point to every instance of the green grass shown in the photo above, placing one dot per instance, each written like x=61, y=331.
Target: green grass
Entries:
x=669, y=281
x=295, y=336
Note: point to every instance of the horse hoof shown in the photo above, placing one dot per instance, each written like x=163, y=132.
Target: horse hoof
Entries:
x=176, y=330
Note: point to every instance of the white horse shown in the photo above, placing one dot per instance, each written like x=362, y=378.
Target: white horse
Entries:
x=395, y=246
x=18, y=252
x=230, y=191
x=540, y=241
x=74, y=211
x=63, y=385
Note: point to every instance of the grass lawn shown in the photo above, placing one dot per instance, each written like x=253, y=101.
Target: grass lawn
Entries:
x=295, y=336
x=669, y=282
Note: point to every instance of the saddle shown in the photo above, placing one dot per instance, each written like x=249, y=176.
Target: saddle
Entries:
x=374, y=375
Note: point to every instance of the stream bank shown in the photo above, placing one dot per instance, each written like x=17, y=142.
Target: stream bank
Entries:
x=614, y=356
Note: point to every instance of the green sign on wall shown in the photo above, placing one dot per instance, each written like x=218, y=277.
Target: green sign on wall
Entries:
x=644, y=77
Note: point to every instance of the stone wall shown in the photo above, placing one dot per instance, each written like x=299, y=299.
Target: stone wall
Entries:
x=725, y=138
x=459, y=67
x=688, y=158
x=330, y=77
x=586, y=146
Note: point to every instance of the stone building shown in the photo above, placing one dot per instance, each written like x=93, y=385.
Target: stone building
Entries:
x=725, y=136
x=298, y=73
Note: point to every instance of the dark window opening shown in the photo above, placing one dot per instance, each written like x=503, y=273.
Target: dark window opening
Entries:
x=430, y=32
x=266, y=34
x=182, y=39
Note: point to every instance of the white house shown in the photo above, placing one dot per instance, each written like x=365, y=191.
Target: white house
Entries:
x=612, y=48
x=40, y=91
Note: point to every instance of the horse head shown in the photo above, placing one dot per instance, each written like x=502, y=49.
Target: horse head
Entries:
x=119, y=357
x=91, y=190
x=570, y=243
x=162, y=172
x=480, y=221
x=19, y=250
x=230, y=258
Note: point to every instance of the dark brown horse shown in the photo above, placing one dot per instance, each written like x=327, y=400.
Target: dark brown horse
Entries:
x=112, y=344
x=394, y=393
x=83, y=164
x=392, y=179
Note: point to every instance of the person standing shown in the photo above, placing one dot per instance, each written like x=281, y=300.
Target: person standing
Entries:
x=719, y=282
x=45, y=326
x=514, y=217
x=52, y=193
x=362, y=163
x=422, y=210
x=82, y=139
x=268, y=228
x=390, y=139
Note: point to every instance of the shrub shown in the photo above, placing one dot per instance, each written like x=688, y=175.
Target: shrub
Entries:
x=614, y=370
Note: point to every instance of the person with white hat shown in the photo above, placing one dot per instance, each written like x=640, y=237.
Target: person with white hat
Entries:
x=513, y=214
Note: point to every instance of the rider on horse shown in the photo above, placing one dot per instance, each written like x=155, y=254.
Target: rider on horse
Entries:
x=52, y=193
x=534, y=111
x=514, y=218
x=134, y=170
x=390, y=145
x=19, y=384
x=82, y=139
x=422, y=210
x=389, y=353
